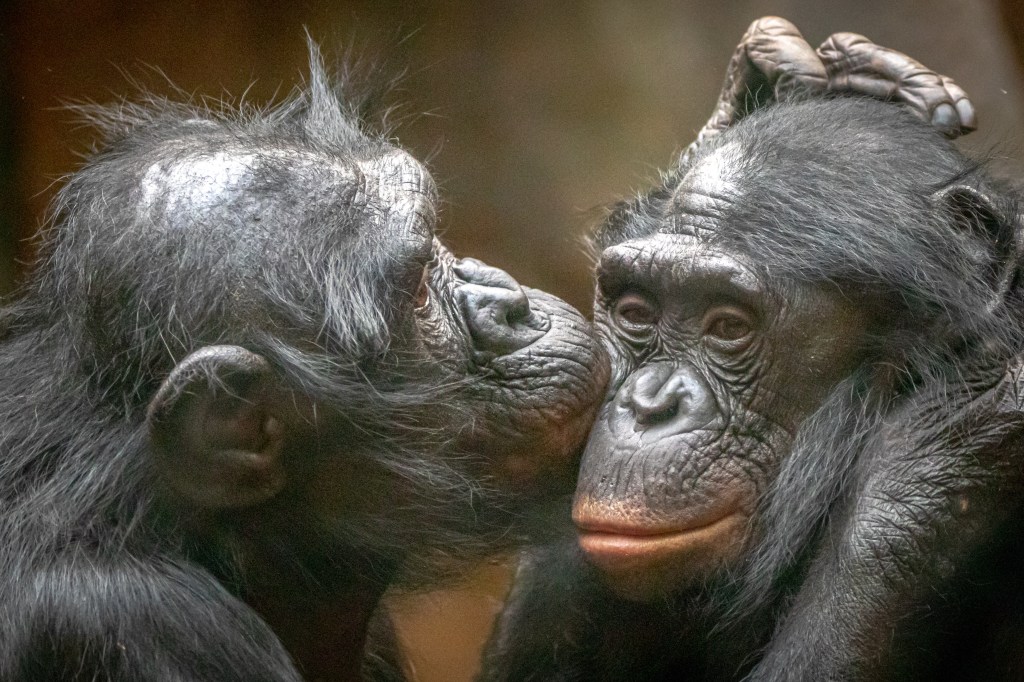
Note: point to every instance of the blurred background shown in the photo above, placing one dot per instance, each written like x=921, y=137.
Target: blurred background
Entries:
x=533, y=115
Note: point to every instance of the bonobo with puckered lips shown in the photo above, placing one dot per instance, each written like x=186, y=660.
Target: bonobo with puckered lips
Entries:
x=247, y=389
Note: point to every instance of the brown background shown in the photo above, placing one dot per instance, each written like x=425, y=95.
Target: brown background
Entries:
x=539, y=113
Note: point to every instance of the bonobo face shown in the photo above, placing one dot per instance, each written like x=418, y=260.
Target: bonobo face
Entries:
x=713, y=371
x=535, y=371
x=527, y=369
x=402, y=384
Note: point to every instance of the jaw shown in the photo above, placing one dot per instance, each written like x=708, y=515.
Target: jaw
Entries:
x=534, y=449
x=656, y=516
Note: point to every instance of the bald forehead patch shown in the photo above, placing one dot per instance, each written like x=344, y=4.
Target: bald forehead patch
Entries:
x=198, y=183
x=247, y=192
x=706, y=191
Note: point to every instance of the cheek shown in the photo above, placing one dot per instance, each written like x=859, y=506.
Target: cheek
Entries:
x=531, y=439
x=815, y=347
x=526, y=457
x=342, y=487
x=441, y=336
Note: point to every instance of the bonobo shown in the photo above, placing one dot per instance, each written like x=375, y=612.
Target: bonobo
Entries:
x=809, y=465
x=247, y=386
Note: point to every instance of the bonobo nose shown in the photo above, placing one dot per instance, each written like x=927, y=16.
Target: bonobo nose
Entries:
x=497, y=310
x=662, y=395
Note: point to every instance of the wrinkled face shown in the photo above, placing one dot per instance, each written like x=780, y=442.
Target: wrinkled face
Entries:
x=498, y=384
x=531, y=368
x=536, y=371
x=523, y=371
x=713, y=370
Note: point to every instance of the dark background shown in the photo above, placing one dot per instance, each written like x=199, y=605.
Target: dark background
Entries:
x=538, y=114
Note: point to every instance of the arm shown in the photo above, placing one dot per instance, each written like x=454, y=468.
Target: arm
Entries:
x=938, y=479
x=87, y=619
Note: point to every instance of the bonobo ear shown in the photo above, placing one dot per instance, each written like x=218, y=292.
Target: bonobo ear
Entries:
x=214, y=432
x=975, y=211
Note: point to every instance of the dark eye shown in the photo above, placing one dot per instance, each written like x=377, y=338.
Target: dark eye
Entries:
x=634, y=310
x=727, y=324
x=423, y=289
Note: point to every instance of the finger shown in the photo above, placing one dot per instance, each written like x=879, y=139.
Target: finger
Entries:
x=771, y=60
x=964, y=107
x=943, y=115
x=855, y=64
x=786, y=62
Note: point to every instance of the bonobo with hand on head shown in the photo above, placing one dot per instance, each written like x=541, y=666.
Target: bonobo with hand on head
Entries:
x=809, y=462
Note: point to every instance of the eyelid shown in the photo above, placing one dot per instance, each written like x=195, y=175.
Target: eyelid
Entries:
x=421, y=295
x=640, y=300
x=714, y=313
x=721, y=312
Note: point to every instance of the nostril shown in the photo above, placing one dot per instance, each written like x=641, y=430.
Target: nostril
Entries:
x=660, y=394
x=662, y=408
x=517, y=307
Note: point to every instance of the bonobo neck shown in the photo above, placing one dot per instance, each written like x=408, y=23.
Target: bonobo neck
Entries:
x=316, y=595
x=326, y=637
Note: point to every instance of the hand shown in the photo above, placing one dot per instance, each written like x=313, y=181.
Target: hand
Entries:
x=774, y=63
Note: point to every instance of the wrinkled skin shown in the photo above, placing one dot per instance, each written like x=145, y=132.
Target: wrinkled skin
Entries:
x=807, y=466
x=719, y=373
x=247, y=389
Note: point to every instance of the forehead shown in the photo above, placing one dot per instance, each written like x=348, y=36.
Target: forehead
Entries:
x=674, y=262
x=694, y=202
x=389, y=192
x=705, y=193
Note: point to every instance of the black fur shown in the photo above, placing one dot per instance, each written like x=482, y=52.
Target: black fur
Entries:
x=104, y=573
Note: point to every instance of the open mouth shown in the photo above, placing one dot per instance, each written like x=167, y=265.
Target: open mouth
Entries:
x=618, y=548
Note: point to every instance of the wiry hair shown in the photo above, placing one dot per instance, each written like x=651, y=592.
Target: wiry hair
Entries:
x=851, y=195
x=853, y=213
x=120, y=297
x=828, y=182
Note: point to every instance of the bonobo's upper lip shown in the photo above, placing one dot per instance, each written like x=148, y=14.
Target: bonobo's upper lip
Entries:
x=648, y=565
x=603, y=534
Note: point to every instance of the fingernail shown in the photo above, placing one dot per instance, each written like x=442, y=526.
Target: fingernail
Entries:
x=965, y=110
x=944, y=117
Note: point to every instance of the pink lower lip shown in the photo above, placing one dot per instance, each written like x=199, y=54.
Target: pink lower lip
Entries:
x=600, y=527
x=618, y=542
